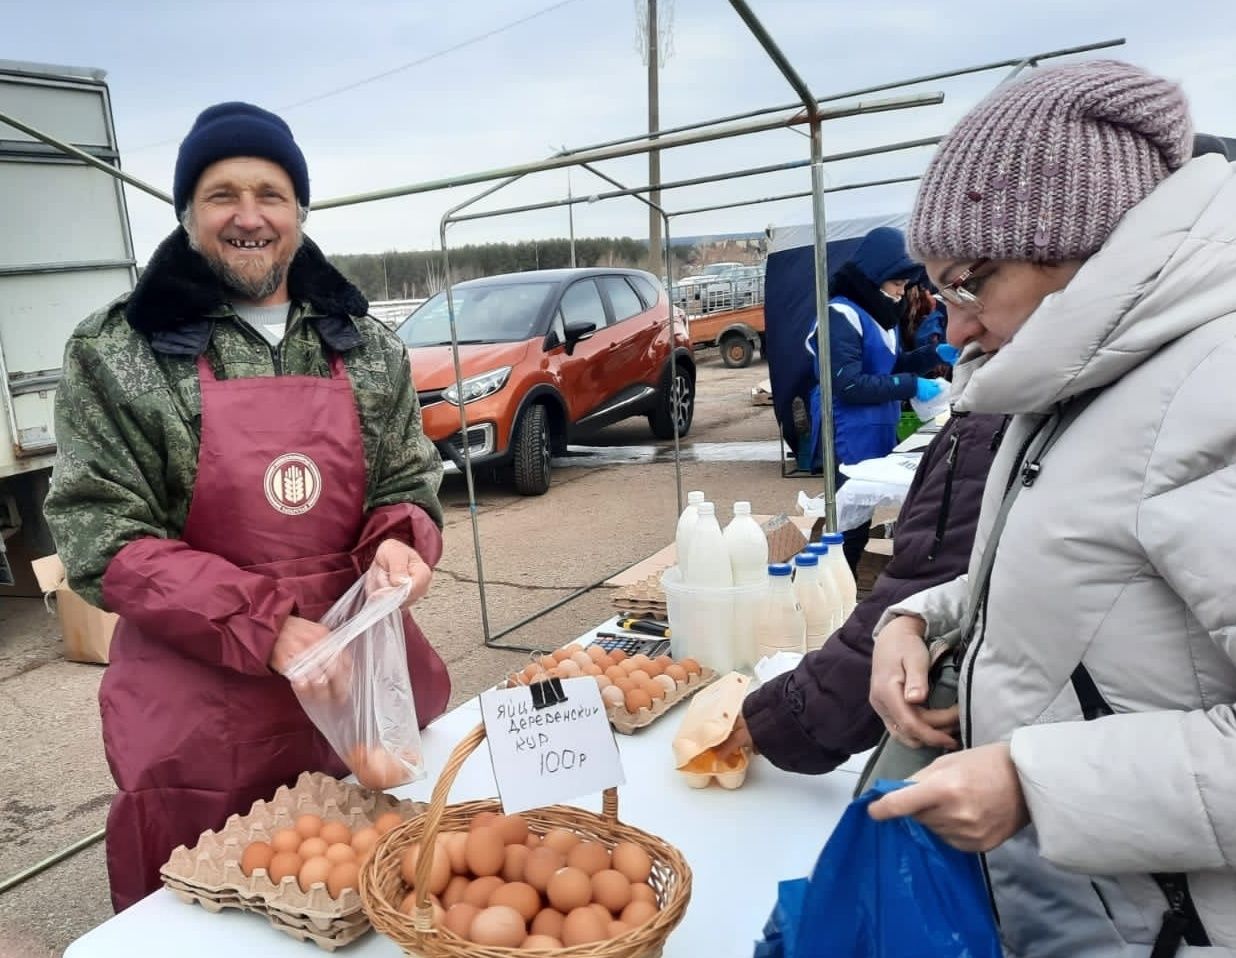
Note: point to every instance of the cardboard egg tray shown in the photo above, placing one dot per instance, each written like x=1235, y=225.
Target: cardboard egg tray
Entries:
x=626, y=723
x=210, y=875
x=785, y=540
x=642, y=598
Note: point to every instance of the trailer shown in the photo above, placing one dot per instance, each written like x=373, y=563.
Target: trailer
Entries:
x=65, y=251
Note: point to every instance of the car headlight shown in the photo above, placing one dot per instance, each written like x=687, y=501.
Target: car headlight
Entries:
x=478, y=387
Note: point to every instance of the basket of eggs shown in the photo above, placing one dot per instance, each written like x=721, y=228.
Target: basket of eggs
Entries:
x=466, y=880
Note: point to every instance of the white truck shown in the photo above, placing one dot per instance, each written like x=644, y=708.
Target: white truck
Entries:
x=65, y=250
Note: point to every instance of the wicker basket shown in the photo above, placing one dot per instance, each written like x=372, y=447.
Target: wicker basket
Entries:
x=382, y=889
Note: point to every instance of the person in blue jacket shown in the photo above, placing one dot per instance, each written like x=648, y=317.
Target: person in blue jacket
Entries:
x=871, y=374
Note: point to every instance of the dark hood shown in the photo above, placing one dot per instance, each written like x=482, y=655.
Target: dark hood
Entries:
x=174, y=300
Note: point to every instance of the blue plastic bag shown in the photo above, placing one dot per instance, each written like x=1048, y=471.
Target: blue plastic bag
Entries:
x=887, y=890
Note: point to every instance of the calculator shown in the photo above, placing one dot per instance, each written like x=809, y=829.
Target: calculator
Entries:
x=634, y=645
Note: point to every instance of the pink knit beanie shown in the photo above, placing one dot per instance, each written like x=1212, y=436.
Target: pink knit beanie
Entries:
x=1045, y=167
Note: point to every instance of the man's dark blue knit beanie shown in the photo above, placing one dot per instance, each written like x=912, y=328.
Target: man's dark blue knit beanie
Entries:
x=237, y=129
x=882, y=256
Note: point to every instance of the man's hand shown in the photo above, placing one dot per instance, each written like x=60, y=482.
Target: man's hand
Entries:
x=332, y=682
x=899, y=665
x=972, y=799
x=394, y=564
x=738, y=739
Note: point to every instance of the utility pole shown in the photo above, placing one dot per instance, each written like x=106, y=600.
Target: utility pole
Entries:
x=654, y=124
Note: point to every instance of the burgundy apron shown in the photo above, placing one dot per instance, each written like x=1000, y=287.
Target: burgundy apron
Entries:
x=280, y=491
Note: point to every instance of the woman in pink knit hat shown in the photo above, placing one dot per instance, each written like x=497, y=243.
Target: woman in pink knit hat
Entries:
x=1090, y=270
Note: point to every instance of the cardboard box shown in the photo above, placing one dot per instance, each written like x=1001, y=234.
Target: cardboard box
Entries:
x=87, y=630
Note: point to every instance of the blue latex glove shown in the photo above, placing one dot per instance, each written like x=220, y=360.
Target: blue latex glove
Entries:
x=948, y=353
x=928, y=389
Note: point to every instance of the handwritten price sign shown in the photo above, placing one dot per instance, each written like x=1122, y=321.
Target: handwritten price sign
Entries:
x=543, y=756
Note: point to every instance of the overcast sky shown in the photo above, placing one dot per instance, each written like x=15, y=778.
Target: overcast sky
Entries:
x=571, y=75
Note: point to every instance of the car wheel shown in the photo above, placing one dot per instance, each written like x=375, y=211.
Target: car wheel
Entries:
x=531, y=452
x=736, y=351
x=678, y=400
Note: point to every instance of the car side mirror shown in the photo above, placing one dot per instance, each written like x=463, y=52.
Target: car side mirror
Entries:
x=577, y=333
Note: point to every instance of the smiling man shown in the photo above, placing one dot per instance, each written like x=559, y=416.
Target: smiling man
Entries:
x=238, y=444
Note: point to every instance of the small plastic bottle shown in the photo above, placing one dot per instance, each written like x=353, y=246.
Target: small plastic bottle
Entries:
x=827, y=579
x=686, y=525
x=816, y=598
x=839, y=569
x=747, y=547
x=782, y=627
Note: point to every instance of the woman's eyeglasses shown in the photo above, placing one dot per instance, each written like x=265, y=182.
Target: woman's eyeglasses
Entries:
x=963, y=290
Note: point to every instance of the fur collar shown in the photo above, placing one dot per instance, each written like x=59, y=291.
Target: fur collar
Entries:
x=173, y=300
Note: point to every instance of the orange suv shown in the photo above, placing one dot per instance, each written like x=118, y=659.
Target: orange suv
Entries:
x=543, y=355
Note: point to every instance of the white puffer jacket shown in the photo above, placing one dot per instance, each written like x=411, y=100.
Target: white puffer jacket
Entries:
x=1120, y=557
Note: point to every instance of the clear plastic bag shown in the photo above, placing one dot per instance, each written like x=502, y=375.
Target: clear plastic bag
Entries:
x=354, y=686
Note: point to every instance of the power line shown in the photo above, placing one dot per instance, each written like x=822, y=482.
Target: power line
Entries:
x=399, y=69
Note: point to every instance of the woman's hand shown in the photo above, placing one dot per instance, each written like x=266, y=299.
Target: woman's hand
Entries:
x=971, y=799
x=899, y=665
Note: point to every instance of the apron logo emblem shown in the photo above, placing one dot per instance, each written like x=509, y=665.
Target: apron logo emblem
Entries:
x=293, y=484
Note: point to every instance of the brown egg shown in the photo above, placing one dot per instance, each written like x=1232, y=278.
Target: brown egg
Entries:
x=342, y=876
x=459, y=918
x=533, y=841
x=602, y=913
x=308, y=826
x=482, y=819
x=582, y=927
x=615, y=672
x=520, y=896
x=283, y=865
x=312, y=848
x=559, y=655
x=617, y=655
x=569, y=668
x=581, y=659
x=617, y=928
x=572, y=648
x=637, y=699
x=313, y=871
x=596, y=653
x=642, y=891
x=439, y=868
x=541, y=864
x=256, y=855
x=666, y=682
x=336, y=833
x=593, y=669
x=485, y=851
x=640, y=660
x=603, y=682
x=456, y=844
x=654, y=668
x=611, y=889
x=500, y=926
x=530, y=672
x=654, y=689
x=286, y=840
x=589, y=857
x=561, y=839
x=677, y=673
x=614, y=697
x=548, y=921
x=638, y=676
x=625, y=686
x=664, y=661
x=387, y=821
x=546, y=662
x=632, y=861
x=629, y=666
x=516, y=859
x=638, y=912
x=569, y=888
x=692, y=667
x=408, y=907
x=540, y=943
x=455, y=890
x=339, y=853
x=363, y=842
x=514, y=829
x=481, y=890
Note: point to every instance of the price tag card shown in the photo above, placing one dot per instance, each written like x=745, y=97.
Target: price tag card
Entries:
x=551, y=746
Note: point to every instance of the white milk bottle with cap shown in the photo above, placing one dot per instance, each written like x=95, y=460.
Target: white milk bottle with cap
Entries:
x=839, y=569
x=747, y=547
x=686, y=525
x=782, y=627
x=829, y=580
x=708, y=560
x=815, y=599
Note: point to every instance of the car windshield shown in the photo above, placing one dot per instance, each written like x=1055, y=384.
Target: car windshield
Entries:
x=483, y=314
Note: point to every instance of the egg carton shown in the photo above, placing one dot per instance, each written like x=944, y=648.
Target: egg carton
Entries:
x=211, y=869
x=785, y=540
x=641, y=598
x=335, y=935
x=626, y=723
